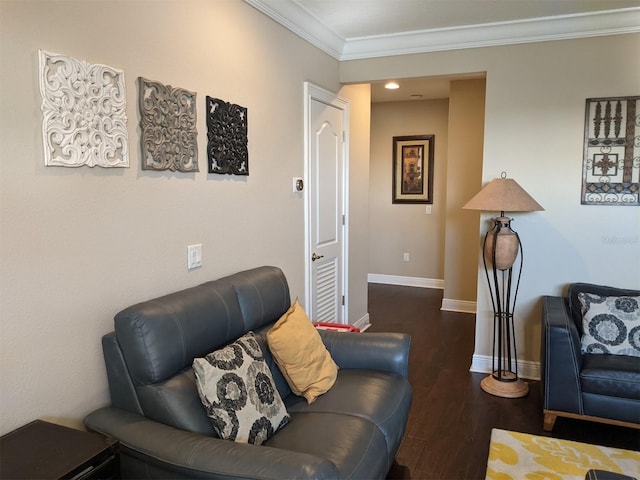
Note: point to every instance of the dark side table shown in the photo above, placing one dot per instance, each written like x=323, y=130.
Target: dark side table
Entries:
x=43, y=450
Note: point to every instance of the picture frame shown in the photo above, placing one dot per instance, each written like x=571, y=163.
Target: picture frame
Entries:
x=413, y=169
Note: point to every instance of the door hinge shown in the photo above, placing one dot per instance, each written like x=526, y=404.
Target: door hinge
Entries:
x=344, y=219
x=343, y=300
x=344, y=135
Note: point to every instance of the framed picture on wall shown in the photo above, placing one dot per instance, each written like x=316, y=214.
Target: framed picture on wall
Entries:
x=413, y=169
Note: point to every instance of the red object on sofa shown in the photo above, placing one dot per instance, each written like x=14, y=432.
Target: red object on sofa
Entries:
x=336, y=327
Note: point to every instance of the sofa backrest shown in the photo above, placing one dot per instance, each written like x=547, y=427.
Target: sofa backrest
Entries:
x=149, y=356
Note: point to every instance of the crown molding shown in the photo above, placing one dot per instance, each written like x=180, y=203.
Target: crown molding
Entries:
x=295, y=18
x=609, y=22
x=592, y=24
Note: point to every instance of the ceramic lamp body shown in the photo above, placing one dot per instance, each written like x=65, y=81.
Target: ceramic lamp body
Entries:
x=506, y=245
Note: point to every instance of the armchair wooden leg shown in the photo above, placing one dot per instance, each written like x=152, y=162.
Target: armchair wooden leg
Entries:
x=549, y=421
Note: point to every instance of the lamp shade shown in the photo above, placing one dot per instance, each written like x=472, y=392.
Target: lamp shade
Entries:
x=500, y=195
x=503, y=195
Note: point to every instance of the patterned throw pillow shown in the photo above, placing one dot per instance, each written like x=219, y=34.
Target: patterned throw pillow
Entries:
x=610, y=324
x=237, y=389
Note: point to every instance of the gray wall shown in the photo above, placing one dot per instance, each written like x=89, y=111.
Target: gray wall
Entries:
x=79, y=244
x=464, y=180
x=406, y=228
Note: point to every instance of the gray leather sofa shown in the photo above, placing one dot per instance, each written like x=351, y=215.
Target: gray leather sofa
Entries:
x=597, y=387
x=353, y=431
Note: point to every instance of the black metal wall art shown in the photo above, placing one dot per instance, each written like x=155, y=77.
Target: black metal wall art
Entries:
x=611, y=166
x=227, y=148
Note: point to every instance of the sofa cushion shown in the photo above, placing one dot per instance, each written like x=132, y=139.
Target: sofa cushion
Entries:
x=610, y=375
x=238, y=392
x=353, y=444
x=160, y=338
x=382, y=398
x=278, y=378
x=610, y=324
x=176, y=402
x=263, y=295
x=301, y=355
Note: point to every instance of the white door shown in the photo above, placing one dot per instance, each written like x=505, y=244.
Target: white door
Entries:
x=326, y=173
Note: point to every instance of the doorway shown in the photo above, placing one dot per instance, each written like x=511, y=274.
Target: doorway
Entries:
x=429, y=245
x=326, y=223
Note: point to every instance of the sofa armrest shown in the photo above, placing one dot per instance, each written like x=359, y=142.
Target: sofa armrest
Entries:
x=181, y=454
x=605, y=475
x=561, y=357
x=376, y=351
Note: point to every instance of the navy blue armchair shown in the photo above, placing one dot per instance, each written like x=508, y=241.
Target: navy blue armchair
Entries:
x=596, y=387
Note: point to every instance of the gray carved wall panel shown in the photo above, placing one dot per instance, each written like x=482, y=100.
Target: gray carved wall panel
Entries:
x=168, y=127
x=83, y=108
x=227, y=147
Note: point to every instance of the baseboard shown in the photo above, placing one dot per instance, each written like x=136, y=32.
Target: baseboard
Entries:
x=462, y=306
x=526, y=368
x=363, y=323
x=406, y=281
x=448, y=305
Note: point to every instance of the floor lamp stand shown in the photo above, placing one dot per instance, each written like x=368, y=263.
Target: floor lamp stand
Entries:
x=501, y=248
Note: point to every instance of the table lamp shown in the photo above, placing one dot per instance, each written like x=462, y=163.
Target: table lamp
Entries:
x=501, y=247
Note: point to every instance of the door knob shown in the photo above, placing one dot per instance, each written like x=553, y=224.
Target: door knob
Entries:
x=315, y=257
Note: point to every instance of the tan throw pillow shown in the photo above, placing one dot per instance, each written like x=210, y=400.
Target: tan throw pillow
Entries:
x=301, y=355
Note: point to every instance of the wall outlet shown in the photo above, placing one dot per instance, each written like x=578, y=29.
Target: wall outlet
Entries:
x=428, y=210
x=405, y=257
x=194, y=256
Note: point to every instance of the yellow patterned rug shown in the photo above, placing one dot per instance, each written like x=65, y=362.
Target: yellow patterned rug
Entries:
x=518, y=456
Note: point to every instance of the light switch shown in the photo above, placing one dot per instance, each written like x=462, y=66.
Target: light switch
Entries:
x=194, y=256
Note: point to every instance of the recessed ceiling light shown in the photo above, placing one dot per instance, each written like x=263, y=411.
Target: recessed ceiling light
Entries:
x=391, y=85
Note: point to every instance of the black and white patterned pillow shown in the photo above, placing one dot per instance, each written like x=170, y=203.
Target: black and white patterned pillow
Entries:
x=610, y=324
x=237, y=389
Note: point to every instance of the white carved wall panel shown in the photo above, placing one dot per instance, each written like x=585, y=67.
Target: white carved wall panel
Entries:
x=83, y=107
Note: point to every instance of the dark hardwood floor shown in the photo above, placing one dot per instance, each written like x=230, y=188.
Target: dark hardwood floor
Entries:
x=451, y=418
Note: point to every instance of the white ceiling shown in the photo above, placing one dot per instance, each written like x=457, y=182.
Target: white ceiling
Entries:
x=354, y=29
x=423, y=88
x=363, y=18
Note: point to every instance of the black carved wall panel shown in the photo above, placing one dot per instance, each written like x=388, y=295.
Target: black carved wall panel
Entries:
x=227, y=148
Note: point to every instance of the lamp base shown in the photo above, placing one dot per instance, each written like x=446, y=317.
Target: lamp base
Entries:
x=512, y=387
